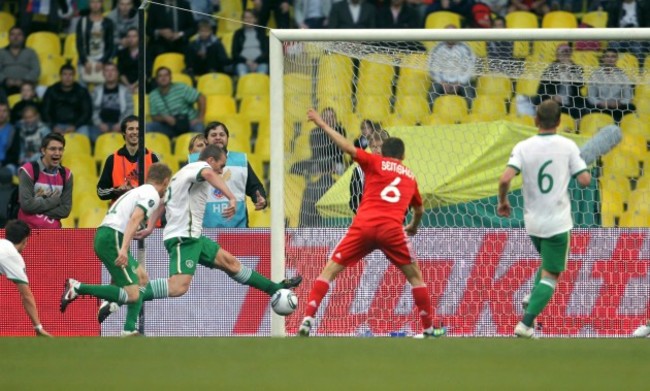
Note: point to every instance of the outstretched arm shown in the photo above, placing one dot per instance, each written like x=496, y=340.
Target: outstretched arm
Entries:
x=343, y=143
x=30, y=307
x=504, y=186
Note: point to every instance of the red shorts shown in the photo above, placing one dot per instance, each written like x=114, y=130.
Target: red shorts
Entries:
x=361, y=241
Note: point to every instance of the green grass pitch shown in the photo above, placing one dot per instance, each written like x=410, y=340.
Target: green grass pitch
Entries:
x=334, y=364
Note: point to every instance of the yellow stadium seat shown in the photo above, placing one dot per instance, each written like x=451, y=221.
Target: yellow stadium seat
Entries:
x=81, y=165
x=375, y=77
x=481, y=117
x=629, y=64
x=611, y=206
x=69, y=222
x=641, y=92
x=435, y=120
x=215, y=84
x=7, y=21
x=452, y=108
x=586, y=58
x=341, y=104
x=373, y=107
x=158, y=143
x=106, y=144
x=84, y=193
x=567, y=124
x=170, y=160
x=412, y=108
x=77, y=144
x=591, y=123
x=44, y=43
x=295, y=107
x=182, y=145
x=50, y=70
x=527, y=85
x=559, y=19
x=398, y=120
x=633, y=219
x=297, y=84
x=147, y=104
x=442, y=19
x=413, y=79
x=545, y=51
x=219, y=105
x=258, y=218
x=174, y=61
x=489, y=106
x=226, y=40
x=495, y=85
x=92, y=217
x=635, y=145
x=182, y=78
x=521, y=20
x=335, y=74
x=617, y=163
x=256, y=108
x=632, y=124
x=478, y=47
x=257, y=165
x=70, y=47
x=595, y=19
x=253, y=84
x=239, y=127
x=263, y=149
x=13, y=99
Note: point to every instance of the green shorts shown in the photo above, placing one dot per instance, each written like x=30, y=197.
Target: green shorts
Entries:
x=107, y=245
x=554, y=251
x=186, y=253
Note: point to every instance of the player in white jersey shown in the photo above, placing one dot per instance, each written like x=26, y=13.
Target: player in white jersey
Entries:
x=185, y=207
x=12, y=265
x=547, y=162
x=112, y=241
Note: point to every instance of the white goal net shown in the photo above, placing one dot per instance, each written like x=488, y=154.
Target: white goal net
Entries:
x=460, y=105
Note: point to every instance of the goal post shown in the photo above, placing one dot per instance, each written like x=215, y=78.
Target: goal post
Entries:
x=457, y=163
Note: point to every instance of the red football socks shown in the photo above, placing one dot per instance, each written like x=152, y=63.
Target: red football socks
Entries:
x=423, y=302
x=318, y=291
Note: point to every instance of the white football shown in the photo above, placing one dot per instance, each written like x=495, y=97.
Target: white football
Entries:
x=284, y=302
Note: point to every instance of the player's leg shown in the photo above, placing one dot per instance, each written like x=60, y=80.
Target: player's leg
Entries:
x=537, y=242
x=395, y=244
x=213, y=256
x=106, y=308
x=107, y=244
x=554, y=252
x=355, y=245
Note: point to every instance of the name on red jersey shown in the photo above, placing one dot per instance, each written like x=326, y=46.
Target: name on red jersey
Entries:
x=396, y=167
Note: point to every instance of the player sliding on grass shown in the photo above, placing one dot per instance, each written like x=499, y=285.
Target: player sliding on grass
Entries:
x=185, y=207
x=547, y=161
x=112, y=241
x=390, y=188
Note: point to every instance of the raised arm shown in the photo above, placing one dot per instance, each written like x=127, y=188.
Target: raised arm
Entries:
x=343, y=143
x=504, y=186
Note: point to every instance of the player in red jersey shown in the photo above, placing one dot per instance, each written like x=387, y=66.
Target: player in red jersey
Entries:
x=390, y=189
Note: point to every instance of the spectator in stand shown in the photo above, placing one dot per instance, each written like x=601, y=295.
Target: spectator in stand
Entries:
x=127, y=61
x=561, y=82
x=9, y=142
x=367, y=127
x=18, y=64
x=172, y=106
x=120, y=172
x=461, y=7
x=95, y=43
x=250, y=47
x=66, y=104
x=206, y=53
x=124, y=18
x=170, y=28
x=27, y=98
x=451, y=67
x=112, y=101
x=45, y=187
x=203, y=9
x=352, y=14
x=398, y=15
x=629, y=13
x=567, y=5
x=499, y=50
x=375, y=141
x=609, y=88
x=44, y=15
x=31, y=131
x=539, y=7
x=280, y=10
x=498, y=7
x=312, y=14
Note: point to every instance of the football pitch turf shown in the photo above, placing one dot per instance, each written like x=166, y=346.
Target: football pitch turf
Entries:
x=335, y=364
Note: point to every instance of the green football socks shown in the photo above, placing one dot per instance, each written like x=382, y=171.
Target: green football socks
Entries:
x=539, y=298
x=252, y=278
x=106, y=292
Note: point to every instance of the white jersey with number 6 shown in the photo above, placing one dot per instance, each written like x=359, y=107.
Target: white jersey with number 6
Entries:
x=145, y=197
x=547, y=162
x=185, y=202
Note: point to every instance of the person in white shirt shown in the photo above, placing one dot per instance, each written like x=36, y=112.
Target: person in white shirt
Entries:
x=451, y=67
x=12, y=265
x=112, y=241
x=547, y=162
x=185, y=208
